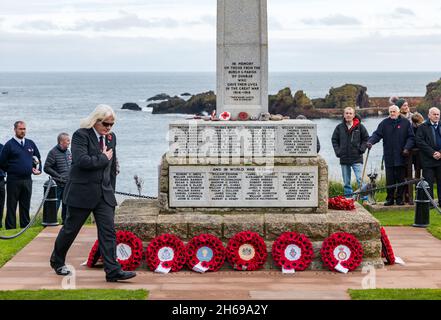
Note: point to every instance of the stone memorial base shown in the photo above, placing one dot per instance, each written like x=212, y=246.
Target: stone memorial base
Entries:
x=380, y=207
x=216, y=185
x=147, y=220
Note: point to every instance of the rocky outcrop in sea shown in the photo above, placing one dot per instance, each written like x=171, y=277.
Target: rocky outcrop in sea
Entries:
x=288, y=104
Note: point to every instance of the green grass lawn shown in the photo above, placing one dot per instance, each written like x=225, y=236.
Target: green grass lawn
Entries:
x=395, y=294
x=406, y=218
x=9, y=248
x=89, y=294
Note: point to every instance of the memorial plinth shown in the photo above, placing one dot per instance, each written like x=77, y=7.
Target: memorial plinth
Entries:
x=225, y=177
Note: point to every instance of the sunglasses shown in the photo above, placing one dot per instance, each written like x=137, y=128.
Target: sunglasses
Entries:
x=107, y=124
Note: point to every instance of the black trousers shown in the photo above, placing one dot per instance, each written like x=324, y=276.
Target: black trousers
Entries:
x=75, y=218
x=2, y=199
x=432, y=175
x=395, y=175
x=18, y=192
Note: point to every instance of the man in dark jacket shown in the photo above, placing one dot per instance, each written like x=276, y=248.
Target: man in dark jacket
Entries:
x=20, y=159
x=428, y=140
x=57, y=165
x=350, y=142
x=2, y=191
x=91, y=188
x=398, y=139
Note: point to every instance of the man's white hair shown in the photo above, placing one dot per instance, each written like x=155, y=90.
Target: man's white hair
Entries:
x=433, y=109
x=100, y=113
x=394, y=107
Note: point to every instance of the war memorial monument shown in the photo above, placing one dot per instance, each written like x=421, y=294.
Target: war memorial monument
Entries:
x=243, y=169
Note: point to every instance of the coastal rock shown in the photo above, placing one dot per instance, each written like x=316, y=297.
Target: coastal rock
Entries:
x=201, y=103
x=302, y=101
x=172, y=105
x=282, y=102
x=349, y=95
x=185, y=94
x=159, y=97
x=432, y=97
x=131, y=106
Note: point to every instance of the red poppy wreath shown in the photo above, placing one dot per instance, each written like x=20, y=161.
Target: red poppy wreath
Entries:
x=292, y=252
x=166, y=253
x=386, y=248
x=94, y=255
x=246, y=251
x=341, y=203
x=341, y=252
x=205, y=253
x=128, y=250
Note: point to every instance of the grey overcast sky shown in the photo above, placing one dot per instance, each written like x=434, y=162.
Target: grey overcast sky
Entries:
x=180, y=35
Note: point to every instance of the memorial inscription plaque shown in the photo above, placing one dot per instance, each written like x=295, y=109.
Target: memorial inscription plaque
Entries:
x=287, y=138
x=243, y=186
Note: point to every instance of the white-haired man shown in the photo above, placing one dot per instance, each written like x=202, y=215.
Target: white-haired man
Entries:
x=91, y=188
x=428, y=140
x=398, y=138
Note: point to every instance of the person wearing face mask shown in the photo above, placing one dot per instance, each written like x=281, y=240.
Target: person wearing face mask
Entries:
x=428, y=141
x=398, y=138
x=91, y=188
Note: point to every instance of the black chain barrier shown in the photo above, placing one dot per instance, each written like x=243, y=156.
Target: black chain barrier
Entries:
x=434, y=204
x=34, y=218
x=392, y=186
x=135, y=195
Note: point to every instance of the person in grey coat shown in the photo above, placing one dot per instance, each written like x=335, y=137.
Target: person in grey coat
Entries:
x=57, y=165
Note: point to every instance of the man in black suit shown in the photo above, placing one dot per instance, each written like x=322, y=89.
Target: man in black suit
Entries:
x=91, y=188
x=428, y=140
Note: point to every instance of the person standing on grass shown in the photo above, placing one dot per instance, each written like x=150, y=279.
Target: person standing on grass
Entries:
x=20, y=159
x=57, y=165
x=349, y=141
x=428, y=141
x=398, y=139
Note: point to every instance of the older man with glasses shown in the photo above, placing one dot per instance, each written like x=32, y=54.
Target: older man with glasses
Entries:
x=91, y=188
x=398, y=138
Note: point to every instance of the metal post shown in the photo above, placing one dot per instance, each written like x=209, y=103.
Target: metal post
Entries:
x=422, y=206
x=50, y=212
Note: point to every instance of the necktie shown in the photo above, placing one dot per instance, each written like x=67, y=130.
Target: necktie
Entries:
x=101, y=143
x=22, y=143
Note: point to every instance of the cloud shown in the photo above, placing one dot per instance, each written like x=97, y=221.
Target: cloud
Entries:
x=123, y=22
x=333, y=20
x=401, y=12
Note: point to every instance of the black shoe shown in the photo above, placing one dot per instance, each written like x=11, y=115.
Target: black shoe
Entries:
x=400, y=203
x=62, y=271
x=389, y=203
x=122, y=275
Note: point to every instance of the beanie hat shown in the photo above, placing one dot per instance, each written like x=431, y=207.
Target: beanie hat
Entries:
x=399, y=103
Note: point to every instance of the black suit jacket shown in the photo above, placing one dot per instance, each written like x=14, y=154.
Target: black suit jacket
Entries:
x=426, y=142
x=92, y=175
